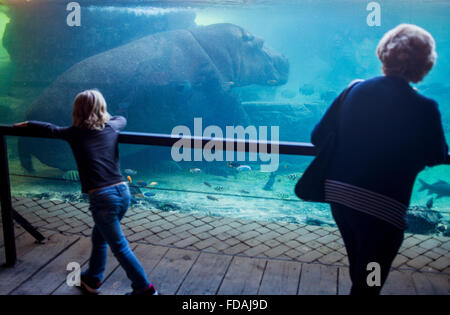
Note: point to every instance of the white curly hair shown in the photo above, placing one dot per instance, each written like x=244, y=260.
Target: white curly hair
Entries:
x=407, y=51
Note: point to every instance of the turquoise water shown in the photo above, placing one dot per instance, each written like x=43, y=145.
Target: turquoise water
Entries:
x=233, y=75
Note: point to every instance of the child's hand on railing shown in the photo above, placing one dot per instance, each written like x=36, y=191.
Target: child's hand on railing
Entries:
x=21, y=124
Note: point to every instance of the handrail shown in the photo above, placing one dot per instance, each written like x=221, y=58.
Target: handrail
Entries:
x=158, y=139
x=126, y=137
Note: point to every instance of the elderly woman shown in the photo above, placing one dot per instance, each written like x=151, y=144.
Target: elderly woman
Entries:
x=387, y=133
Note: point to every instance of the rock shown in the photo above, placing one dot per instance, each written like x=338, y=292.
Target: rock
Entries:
x=422, y=220
x=314, y=220
x=287, y=219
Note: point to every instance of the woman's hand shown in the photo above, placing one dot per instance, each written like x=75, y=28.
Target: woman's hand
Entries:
x=21, y=124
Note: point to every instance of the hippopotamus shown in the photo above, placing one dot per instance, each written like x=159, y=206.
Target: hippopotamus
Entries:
x=160, y=81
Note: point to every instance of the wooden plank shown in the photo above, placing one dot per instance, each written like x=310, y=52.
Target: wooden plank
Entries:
x=318, y=279
x=172, y=269
x=206, y=275
x=35, y=259
x=399, y=282
x=148, y=255
x=427, y=283
x=111, y=265
x=280, y=277
x=49, y=278
x=24, y=243
x=344, y=281
x=243, y=276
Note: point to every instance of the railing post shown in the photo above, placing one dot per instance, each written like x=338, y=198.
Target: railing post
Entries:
x=7, y=211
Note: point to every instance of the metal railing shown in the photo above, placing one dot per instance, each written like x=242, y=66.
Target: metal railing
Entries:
x=153, y=139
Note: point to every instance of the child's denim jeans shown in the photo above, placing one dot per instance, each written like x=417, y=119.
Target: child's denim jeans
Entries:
x=108, y=206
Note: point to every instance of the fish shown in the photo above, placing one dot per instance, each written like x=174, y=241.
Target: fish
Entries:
x=244, y=191
x=129, y=179
x=219, y=188
x=149, y=194
x=234, y=164
x=212, y=198
x=292, y=176
x=71, y=175
x=195, y=170
x=153, y=183
x=440, y=188
x=244, y=168
x=429, y=203
x=270, y=182
x=129, y=171
x=207, y=184
x=282, y=195
x=141, y=183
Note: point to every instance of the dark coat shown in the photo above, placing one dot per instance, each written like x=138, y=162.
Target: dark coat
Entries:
x=387, y=134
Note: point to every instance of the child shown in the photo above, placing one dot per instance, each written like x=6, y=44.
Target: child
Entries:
x=93, y=138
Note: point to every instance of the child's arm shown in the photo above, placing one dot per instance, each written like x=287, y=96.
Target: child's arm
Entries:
x=45, y=127
x=117, y=122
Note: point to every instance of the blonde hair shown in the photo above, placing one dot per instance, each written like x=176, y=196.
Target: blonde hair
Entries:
x=407, y=51
x=89, y=110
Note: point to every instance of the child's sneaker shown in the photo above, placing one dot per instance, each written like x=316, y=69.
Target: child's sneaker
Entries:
x=151, y=290
x=89, y=285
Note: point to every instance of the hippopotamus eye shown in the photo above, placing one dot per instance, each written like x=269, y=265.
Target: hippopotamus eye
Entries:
x=246, y=37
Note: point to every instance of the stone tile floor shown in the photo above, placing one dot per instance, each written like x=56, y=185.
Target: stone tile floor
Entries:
x=287, y=241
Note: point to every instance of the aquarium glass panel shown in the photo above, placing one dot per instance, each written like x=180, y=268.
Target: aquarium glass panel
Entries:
x=167, y=64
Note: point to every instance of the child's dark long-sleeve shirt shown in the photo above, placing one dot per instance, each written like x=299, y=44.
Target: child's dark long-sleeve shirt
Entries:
x=96, y=152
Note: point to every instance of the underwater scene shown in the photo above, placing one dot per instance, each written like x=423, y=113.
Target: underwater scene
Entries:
x=195, y=64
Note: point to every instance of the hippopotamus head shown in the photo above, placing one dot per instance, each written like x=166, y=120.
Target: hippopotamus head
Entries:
x=240, y=57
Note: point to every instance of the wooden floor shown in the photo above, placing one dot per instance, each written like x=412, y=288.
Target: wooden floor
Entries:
x=41, y=269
